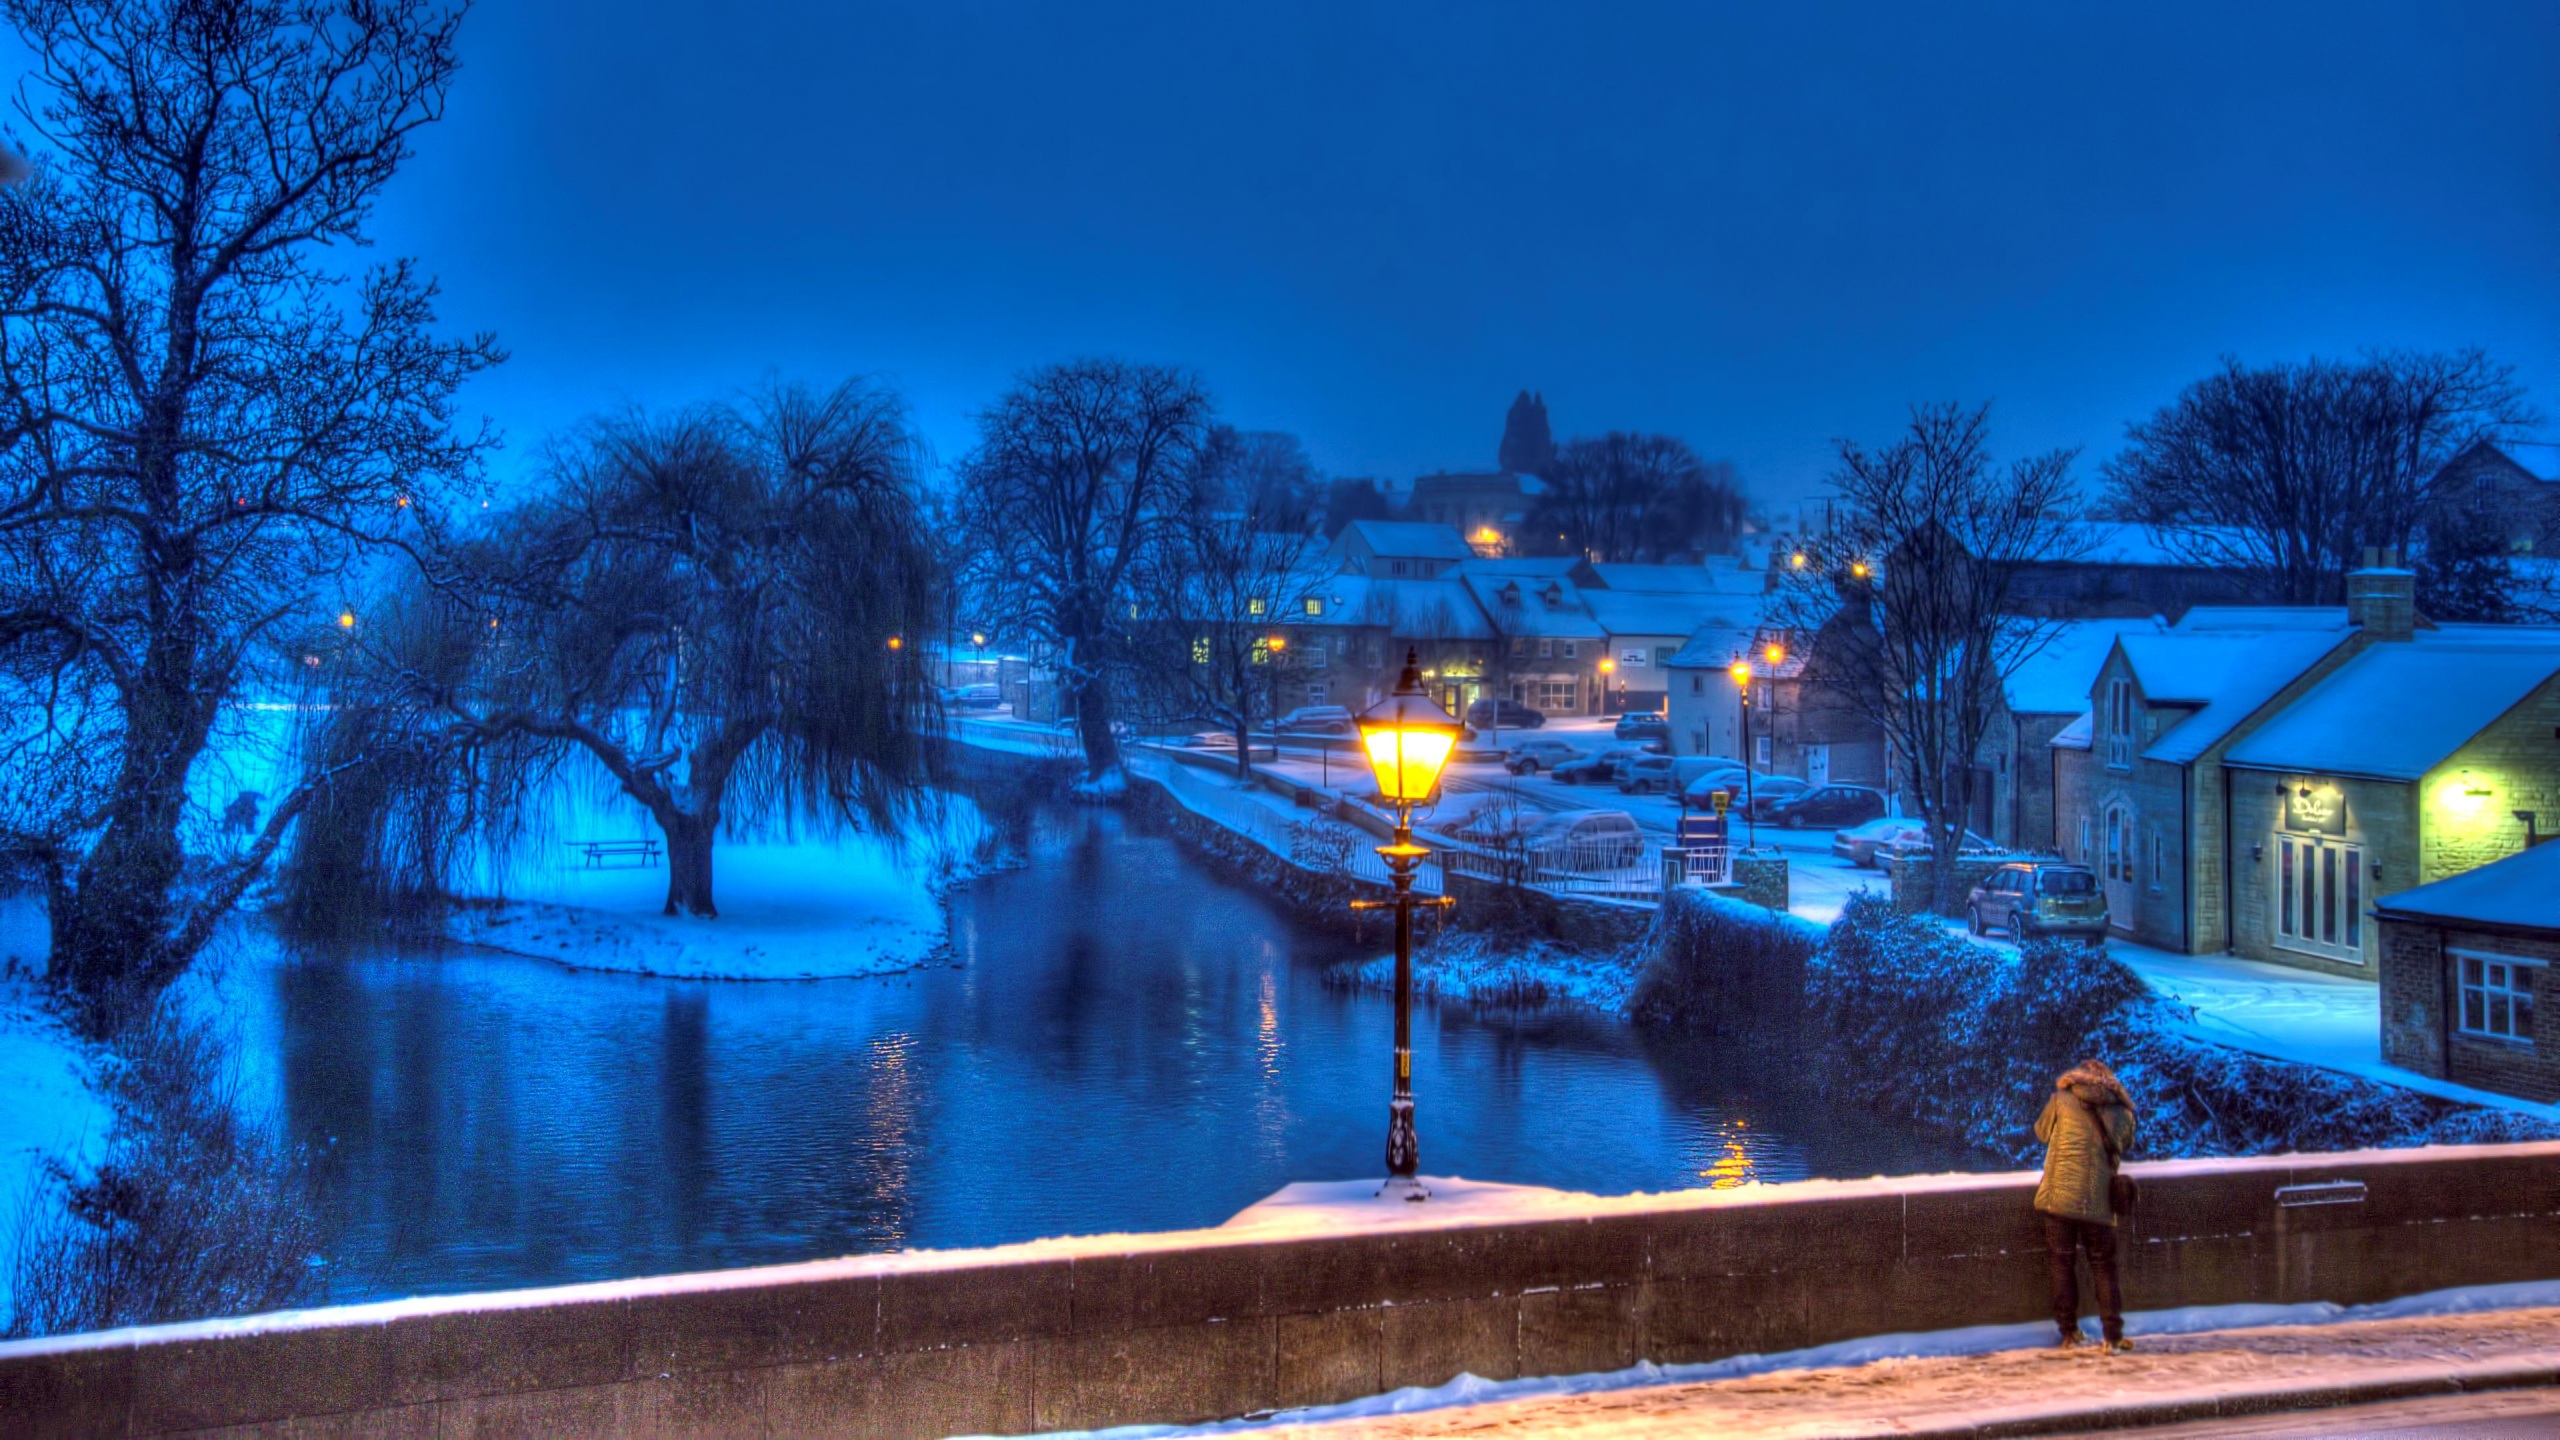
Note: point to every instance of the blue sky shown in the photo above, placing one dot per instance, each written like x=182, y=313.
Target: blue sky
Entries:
x=1757, y=228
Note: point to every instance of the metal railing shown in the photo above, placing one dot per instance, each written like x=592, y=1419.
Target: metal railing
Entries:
x=1275, y=830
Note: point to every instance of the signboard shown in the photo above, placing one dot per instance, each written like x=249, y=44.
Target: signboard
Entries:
x=1698, y=832
x=2313, y=807
x=1631, y=659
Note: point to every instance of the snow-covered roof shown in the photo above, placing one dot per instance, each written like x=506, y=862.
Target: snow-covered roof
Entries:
x=2229, y=676
x=1411, y=539
x=1410, y=609
x=1714, y=647
x=2056, y=679
x=2398, y=710
x=1623, y=612
x=2262, y=617
x=2519, y=890
x=2079, y=734
x=1531, y=611
x=1660, y=579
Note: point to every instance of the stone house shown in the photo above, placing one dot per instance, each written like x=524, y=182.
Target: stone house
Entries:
x=1648, y=613
x=2522, y=498
x=2430, y=753
x=1799, y=725
x=1548, y=653
x=1399, y=549
x=2138, y=780
x=2466, y=971
x=2013, y=779
x=1485, y=509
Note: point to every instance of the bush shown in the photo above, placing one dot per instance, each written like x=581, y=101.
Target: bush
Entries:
x=1716, y=964
x=197, y=1211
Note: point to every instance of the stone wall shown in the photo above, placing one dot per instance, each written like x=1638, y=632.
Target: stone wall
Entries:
x=2382, y=817
x=2515, y=765
x=1198, y=1325
x=2421, y=1028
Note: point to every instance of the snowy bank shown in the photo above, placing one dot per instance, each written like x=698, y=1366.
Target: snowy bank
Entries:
x=50, y=1108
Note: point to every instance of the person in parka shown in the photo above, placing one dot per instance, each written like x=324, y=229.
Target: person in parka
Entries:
x=2086, y=1128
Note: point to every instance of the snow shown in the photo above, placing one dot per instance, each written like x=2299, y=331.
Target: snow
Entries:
x=1641, y=613
x=2231, y=675
x=47, y=1079
x=2399, y=709
x=1412, y=539
x=2080, y=734
x=2523, y=890
x=2056, y=680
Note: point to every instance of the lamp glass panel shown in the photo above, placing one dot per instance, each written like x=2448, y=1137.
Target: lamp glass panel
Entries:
x=1407, y=762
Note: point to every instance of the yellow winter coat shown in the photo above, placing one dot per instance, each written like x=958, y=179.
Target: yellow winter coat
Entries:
x=2077, y=1173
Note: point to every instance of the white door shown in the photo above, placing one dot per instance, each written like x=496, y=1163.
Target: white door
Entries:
x=2320, y=896
x=2116, y=864
x=1817, y=766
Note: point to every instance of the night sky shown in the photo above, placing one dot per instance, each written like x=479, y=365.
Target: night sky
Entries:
x=1371, y=224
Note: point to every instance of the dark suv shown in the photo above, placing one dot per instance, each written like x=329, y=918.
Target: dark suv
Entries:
x=1491, y=714
x=2036, y=898
x=1829, y=806
x=1642, y=725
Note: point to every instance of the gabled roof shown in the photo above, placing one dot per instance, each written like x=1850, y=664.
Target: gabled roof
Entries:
x=1714, y=647
x=1661, y=579
x=1410, y=539
x=2228, y=675
x=2079, y=734
x=1530, y=611
x=1439, y=609
x=1622, y=612
x=2056, y=679
x=2522, y=890
x=2398, y=710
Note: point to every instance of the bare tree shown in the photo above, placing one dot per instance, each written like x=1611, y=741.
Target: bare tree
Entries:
x=201, y=421
x=1076, y=471
x=2288, y=471
x=1910, y=593
x=1231, y=568
x=720, y=608
x=1632, y=497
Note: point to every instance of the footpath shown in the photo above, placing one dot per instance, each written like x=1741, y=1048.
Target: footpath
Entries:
x=2504, y=1361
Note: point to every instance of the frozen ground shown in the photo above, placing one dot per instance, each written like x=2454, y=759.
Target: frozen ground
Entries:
x=47, y=1105
x=2242, y=1356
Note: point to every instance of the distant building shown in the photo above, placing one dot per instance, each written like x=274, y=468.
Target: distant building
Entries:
x=1550, y=655
x=2466, y=972
x=1486, y=509
x=2011, y=795
x=2520, y=490
x=2116, y=569
x=1400, y=549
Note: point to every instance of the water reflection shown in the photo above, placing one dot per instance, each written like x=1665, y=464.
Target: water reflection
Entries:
x=1125, y=1045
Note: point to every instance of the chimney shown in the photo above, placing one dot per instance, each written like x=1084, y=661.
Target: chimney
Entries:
x=2382, y=598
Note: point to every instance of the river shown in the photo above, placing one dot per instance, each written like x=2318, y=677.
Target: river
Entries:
x=1125, y=1043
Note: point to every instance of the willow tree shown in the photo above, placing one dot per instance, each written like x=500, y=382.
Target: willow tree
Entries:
x=714, y=606
x=205, y=417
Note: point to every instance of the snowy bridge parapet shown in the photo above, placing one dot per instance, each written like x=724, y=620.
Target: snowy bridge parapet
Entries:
x=1293, y=1304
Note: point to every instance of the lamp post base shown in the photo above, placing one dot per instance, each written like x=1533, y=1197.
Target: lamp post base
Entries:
x=1404, y=1187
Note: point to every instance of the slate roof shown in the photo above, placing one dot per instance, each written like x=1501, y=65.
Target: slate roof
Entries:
x=2522, y=890
x=2056, y=679
x=2398, y=710
x=2229, y=676
x=1412, y=539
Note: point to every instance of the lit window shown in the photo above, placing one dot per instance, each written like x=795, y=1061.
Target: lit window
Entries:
x=2497, y=997
x=1315, y=604
x=1255, y=606
x=1200, y=651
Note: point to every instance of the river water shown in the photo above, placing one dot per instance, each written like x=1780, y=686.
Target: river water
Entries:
x=1125, y=1043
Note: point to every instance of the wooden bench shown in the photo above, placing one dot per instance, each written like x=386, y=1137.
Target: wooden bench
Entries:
x=618, y=854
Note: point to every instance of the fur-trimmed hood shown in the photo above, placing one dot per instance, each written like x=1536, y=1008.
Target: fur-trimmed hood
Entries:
x=2092, y=1083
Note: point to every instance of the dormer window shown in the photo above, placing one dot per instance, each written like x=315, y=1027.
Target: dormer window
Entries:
x=1553, y=595
x=1510, y=593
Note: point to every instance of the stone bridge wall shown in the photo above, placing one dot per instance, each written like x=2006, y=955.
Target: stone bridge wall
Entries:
x=1191, y=1326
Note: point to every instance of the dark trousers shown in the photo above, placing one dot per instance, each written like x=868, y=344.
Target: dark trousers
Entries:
x=2063, y=1240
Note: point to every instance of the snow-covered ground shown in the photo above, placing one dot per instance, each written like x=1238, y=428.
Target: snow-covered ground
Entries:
x=48, y=1105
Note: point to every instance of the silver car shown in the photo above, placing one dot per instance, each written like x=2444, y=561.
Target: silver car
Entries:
x=2033, y=899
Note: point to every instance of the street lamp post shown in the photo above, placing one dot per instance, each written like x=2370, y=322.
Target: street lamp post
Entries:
x=1741, y=673
x=1408, y=738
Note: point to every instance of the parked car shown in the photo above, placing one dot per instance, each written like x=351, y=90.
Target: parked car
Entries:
x=1531, y=756
x=1648, y=775
x=973, y=697
x=1599, y=769
x=1826, y=805
x=1642, y=725
x=2035, y=898
x=1493, y=714
x=1917, y=846
x=1767, y=792
x=1318, y=720
x=1703, y=777
x=1585, y=840
x=1857, y=844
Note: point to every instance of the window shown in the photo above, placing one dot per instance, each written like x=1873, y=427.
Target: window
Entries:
x=2320, y=897
x=1662, y=654
x=1556, y=695
x=2497, y=995
x=2085, y=850
x=1546, y=649
x=1395, y=567
x=1261, y=653
x=1200, y=651
x=1315, y=604
x=2159, y=870
x=1760, y=749
x=1315, y=657
x=2119, y=864
x=1568, y=649
x=2120, y=724
x=1315, y=694
x=1697, y=684
x=1256, y=606
x=1369, y=655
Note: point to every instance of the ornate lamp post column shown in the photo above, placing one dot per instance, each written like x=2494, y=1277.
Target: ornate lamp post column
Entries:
x=1740, y=670
x=1408, y=738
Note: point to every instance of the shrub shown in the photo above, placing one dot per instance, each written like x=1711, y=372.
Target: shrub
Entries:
x=1715, y=964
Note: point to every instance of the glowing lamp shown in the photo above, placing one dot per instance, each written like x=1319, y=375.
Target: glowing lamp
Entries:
x=977, y=637
x=1797, y=559
x=1277, y=643
x=1777, y=653
x=1408, y=738
x=346, y=619
x=1740, y=670
x=1859, y=569
x=1608, y=665
x=897, y=642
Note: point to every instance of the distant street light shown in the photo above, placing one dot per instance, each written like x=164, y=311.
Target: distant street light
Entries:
x=1408, y=738
x=1741, y=673
x=346, y=619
